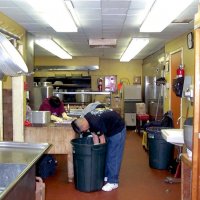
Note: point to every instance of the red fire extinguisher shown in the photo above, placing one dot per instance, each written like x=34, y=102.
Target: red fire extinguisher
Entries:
x=180, y=71
x=100, y=84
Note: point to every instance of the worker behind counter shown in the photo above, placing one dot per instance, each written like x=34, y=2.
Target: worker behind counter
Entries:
x=56, y=107
x=106, y=123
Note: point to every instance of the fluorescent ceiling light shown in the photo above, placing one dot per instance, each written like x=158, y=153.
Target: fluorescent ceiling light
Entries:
x=53, y=47
x=162, y=13
x=55, y=13
x=143, y=12
x=72, y=11
x=136, y=45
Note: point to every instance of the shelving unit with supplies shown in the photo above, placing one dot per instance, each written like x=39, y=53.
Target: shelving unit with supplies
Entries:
x=85, y=93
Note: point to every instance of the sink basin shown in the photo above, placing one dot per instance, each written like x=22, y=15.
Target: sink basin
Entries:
x=18, y=167
x=174, y=136
x=8, y=173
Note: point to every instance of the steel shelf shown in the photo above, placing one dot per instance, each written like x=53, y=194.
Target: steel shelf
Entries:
x=101, y=93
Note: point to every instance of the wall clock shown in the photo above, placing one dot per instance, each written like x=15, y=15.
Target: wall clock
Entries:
x=190, y=42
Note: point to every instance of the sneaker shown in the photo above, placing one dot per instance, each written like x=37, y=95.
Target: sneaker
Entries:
x=105, y=179
x=109, y=187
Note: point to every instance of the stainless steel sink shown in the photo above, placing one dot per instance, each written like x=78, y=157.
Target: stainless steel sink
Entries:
x=2, y=189
x=174, y=136
x=8, y=173
x=17, y=169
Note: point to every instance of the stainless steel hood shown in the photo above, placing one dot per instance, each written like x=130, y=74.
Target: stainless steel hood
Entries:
x=11, y=62
x=67, y=68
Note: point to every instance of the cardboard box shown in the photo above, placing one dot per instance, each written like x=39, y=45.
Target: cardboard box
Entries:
x=140, y=108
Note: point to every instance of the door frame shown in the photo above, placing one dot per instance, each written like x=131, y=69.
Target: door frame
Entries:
x=196, y=124
x=170, y=80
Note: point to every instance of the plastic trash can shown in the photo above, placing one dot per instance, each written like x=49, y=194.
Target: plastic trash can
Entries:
x=160, y=151
x=89, y=164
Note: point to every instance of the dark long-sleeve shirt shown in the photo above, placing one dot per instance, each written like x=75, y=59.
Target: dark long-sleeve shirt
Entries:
x=105, y=122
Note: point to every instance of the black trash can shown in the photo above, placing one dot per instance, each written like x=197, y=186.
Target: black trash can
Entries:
x=89, y=164
x=160, y=151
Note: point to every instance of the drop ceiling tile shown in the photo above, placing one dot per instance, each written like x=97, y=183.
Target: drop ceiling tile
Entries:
x=88, y=4
x=119, y=19
x=116, y=4
x=114, y=11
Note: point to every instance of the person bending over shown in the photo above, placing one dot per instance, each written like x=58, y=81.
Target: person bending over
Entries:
x=90, y=107
x=110, y=124
x=56, y=108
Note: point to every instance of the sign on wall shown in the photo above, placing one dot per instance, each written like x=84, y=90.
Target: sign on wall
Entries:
x=111, y=83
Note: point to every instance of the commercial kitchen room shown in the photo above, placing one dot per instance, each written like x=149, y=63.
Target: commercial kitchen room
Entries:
x=162, y=76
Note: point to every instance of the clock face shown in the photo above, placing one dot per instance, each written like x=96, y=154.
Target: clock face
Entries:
x=190, y=42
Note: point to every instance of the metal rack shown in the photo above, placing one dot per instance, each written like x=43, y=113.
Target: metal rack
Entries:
x=84, y=92
x=103, y=93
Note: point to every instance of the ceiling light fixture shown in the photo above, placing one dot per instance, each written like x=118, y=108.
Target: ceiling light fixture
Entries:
x=53, y=47
x=72, y=11
x=135, y=46
x=162, y=13
x=55, y=13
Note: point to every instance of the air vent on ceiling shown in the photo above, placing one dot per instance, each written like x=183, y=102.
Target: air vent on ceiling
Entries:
x=102, y=43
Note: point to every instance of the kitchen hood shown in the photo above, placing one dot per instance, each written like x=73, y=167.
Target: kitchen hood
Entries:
x=11, y=62
x=66, y=68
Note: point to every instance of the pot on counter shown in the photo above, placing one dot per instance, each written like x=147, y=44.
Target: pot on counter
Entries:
x=40, y=117
x=83, y=98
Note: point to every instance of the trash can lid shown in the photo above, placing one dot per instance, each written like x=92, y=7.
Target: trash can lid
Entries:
x=156, y=128
x=155, y=132
x=82, y=141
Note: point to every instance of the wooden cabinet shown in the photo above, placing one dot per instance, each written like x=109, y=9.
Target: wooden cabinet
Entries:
x=186, y=177
x=58, y=136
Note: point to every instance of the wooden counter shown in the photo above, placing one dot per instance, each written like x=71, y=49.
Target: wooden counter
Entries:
x=186, y=177
x=58, y=136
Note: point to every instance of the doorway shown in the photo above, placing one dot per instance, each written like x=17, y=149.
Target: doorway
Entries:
x=175, y=102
